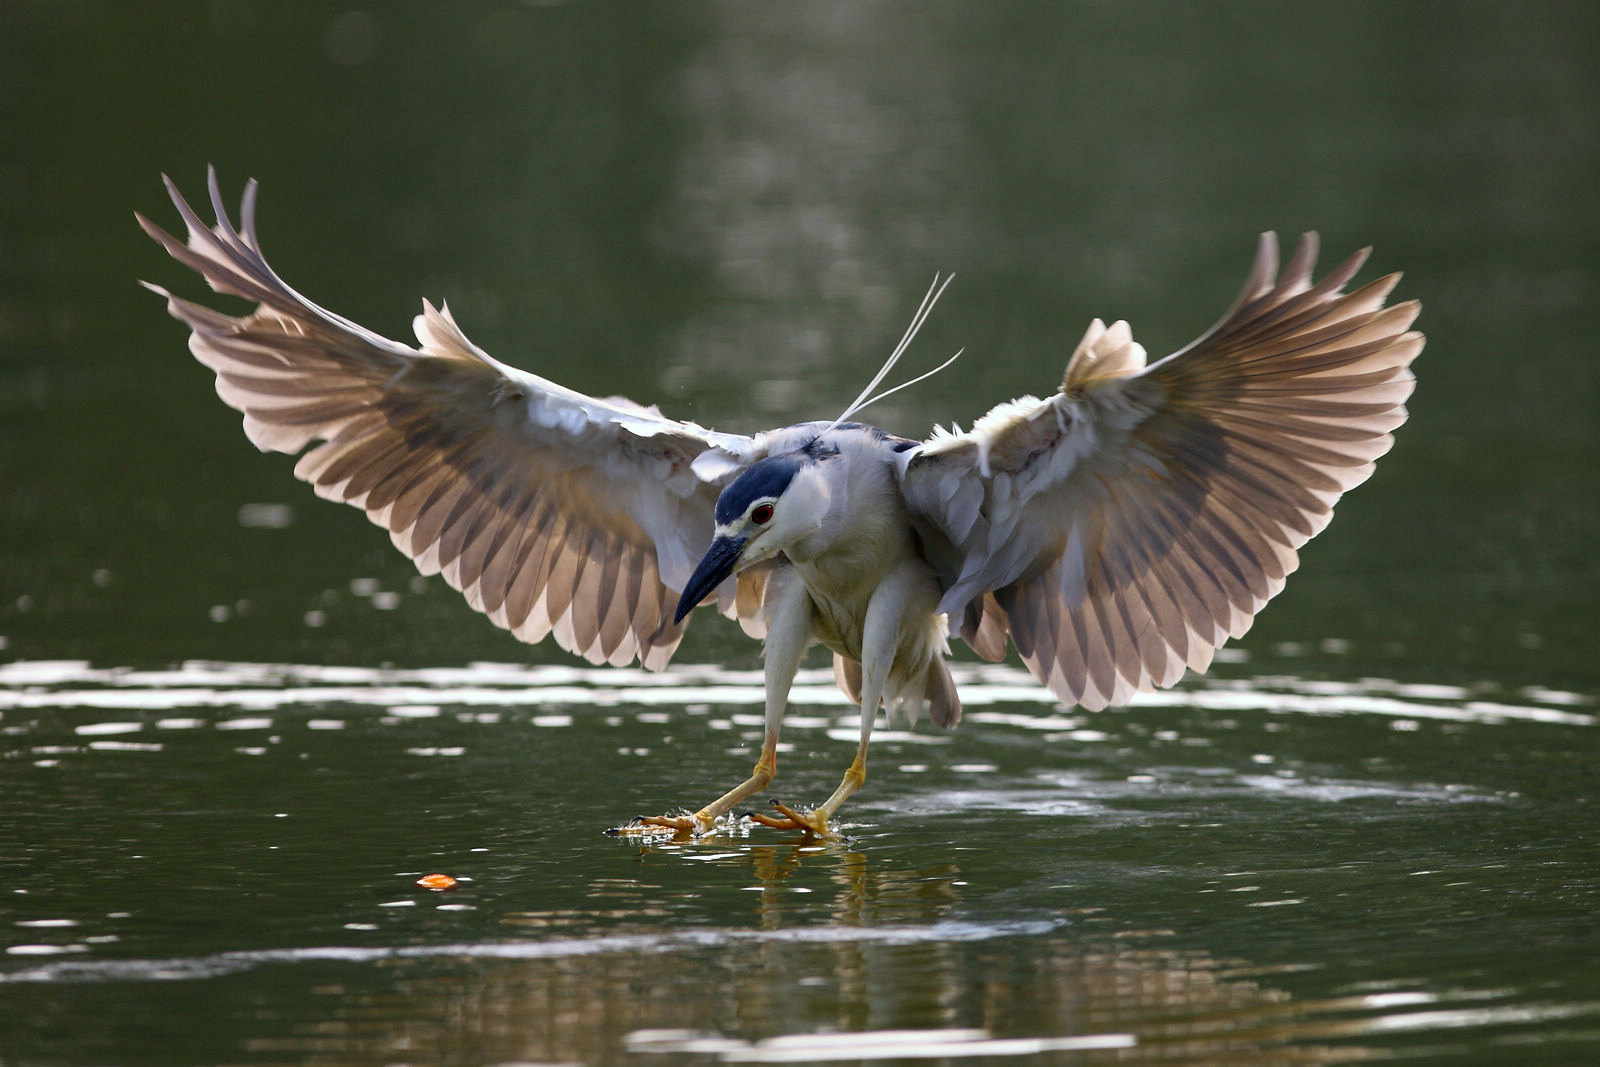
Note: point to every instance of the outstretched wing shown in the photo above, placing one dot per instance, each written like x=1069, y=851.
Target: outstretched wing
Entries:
x=1122, y=529
x=553, y=512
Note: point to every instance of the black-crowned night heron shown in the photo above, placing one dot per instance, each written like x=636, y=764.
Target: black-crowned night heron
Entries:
x=1117, y=531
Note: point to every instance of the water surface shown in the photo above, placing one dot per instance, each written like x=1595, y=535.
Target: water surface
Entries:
x=1205, y=875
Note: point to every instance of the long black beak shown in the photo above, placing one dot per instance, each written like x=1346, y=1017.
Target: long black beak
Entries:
x=719, y=561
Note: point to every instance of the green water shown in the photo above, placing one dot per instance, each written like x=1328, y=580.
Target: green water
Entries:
x=228, y=749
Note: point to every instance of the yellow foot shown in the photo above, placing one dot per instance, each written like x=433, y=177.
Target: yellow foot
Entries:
x=815, y=822
x=697, y=823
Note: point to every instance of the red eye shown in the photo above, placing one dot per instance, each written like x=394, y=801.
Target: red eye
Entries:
x=761, y=514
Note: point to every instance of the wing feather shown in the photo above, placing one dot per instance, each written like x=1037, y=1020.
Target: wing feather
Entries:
x=550, y=511
x=1131, y=523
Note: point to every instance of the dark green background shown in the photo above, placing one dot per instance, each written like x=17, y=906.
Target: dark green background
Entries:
x=731, y=210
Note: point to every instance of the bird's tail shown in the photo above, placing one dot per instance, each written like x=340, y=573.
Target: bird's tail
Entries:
x=847, y=676
x=938, y=692
x=944, y=704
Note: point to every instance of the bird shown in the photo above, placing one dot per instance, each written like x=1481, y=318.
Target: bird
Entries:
x=1113, y=533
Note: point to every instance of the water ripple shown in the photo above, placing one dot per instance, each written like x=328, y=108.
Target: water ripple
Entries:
x=211, y=966
x=266, y=686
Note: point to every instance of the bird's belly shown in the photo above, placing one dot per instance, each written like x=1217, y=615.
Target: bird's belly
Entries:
x=837, y=626
x=838, y=622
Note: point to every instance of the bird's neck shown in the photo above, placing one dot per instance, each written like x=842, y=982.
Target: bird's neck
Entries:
x=864, y=533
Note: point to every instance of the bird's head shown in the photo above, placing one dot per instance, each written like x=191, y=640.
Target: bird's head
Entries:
x=776, y=505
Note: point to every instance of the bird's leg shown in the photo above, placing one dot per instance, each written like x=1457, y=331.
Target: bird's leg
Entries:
x=816, y=820
x=700, y=822
x=788, y=633
x=879, y=639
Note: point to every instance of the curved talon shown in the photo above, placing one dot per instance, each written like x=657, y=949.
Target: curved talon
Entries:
x=647, y=824
x=814, y=823
x=776, y=824
x=772, y=821
x=635, y=830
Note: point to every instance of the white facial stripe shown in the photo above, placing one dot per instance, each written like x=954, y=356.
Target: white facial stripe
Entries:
x=741, y=527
